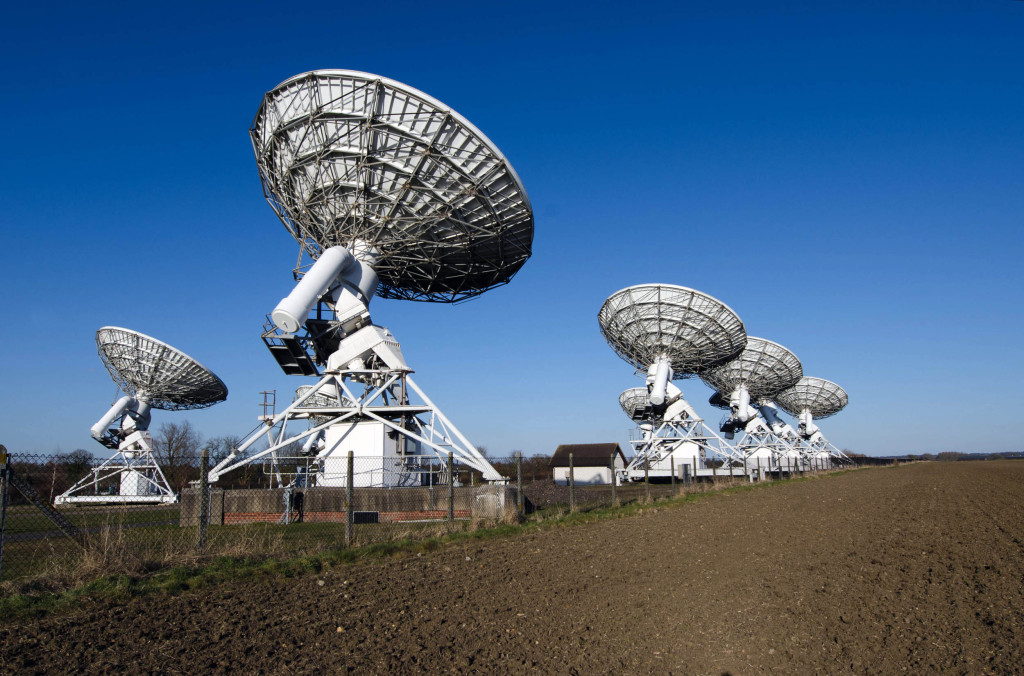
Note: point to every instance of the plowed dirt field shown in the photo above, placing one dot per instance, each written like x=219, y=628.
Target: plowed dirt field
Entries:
x=917, y=568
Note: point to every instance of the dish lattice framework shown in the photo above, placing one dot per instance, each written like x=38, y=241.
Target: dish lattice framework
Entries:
x=634, y=398
x=821, y=397
x=320, y=400
x=695, y=330
x=153, y=371
x=764, y=367
x=355, y=159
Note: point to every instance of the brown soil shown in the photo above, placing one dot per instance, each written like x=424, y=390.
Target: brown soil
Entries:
x=916, y=568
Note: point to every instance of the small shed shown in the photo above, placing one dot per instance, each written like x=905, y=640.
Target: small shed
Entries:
x=590, y=463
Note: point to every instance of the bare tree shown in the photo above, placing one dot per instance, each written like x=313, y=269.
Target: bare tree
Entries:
x=221, y=447
x=177, y=444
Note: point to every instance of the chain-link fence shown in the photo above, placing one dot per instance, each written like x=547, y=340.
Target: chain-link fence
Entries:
x=71, y=516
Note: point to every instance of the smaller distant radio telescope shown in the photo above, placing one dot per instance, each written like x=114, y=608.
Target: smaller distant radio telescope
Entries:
x=152, y=374
x=812, y=398
x=388, y=192
x=670, y=332
x=745, y=386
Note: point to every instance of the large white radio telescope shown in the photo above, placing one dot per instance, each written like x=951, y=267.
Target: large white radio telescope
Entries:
x=745, y=386
x=669, y=332
x=389, y=192
x=152, y=374
x=812, y=398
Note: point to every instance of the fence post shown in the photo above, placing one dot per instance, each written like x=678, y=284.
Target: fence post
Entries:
x=451, y=490
x=611, y=464
x=572, y=485
x=5, y=482
x=204, y=499
x=746, y=474
x=647, y=479
x=693, y=479
x=349, y=491
x=520, y=502
x=672, y=464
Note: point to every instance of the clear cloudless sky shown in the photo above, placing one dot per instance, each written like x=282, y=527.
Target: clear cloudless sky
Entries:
x=849, y=177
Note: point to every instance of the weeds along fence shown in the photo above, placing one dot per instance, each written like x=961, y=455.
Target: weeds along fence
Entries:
x=291, y=507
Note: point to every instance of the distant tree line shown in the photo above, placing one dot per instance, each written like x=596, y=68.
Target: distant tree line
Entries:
x=956, y=456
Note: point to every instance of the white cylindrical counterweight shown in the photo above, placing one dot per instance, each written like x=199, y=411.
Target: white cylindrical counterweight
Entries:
x=739, y=404
x=137, y=417
x=115, y=412
x=661, y=371
x=807, y=426
x=290, y=314
x=311, y=441
x=771, y=415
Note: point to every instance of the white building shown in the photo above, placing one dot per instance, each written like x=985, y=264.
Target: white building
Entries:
x=592, y=463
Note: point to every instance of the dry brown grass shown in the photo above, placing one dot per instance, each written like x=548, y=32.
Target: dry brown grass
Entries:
x=117, y=549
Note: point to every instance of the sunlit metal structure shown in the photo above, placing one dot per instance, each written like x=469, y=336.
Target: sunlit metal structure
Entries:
x=742, y=385
x=388, y=192
x=151, y=374
x=809, y=399
x=669, y=332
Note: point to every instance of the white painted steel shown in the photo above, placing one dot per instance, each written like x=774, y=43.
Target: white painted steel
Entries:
x=658, y=376
x=346, y=156
x=134, y=467
x=151, y=370
x=668, y=331
x=646, y=322
x=633, y=402
x=425, y=429
x=763, y=368
x=152, y=374
x=116, y=411
x=359, y=166
x=291, y=313
x=812, y=398
x=821, y=397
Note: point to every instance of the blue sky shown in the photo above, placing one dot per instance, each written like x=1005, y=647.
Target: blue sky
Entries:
x=846, y=176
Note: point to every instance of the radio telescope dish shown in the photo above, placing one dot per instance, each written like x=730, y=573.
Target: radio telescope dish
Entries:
x=390, y=193
x=155, y=372
x=741, y=385
x=822, y=398
x=696, y=332
x=763, y=367
x=370, y=164
x=633, y=400
x=152, y=374
x=669, y=332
